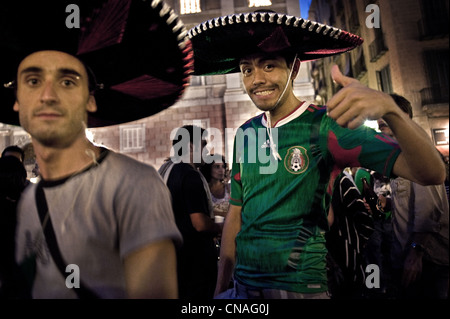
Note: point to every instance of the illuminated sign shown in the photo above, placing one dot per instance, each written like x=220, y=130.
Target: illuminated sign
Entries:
x=440, y=136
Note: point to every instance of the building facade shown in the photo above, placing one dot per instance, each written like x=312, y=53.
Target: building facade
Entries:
x=217, y=103
x=405, y=51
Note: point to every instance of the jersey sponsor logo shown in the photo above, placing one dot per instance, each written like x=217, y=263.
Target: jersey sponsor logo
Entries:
x=296, y=160
x=266, y=144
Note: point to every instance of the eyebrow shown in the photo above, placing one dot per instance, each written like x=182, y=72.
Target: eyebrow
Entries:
x=260, y=60
x=62, y=71
x=31, y=69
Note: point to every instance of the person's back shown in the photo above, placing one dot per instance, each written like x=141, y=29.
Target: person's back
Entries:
x=193, y=211
x=421, y=228
x=378, y=249
x=346, y=240
x=12, y=183
x=13, y=177
x=197, y=258
x=420, y=218
x=14, y=150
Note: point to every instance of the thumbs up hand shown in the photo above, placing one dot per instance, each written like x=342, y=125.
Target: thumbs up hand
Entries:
x=355, y=103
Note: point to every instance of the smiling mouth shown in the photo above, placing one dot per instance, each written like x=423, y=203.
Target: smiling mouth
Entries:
x=264, y=93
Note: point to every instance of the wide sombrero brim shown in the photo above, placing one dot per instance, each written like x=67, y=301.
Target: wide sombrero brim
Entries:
x=137, y=50
x=220, y=43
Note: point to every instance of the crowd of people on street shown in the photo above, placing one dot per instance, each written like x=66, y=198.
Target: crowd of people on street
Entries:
x=303, y=211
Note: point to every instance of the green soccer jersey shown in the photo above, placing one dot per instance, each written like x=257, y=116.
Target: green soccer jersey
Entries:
x=281, y=244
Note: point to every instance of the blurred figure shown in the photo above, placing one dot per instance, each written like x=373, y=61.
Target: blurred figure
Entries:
x=347, y=237
x=192, y=206
x=215, y=170
x=12, y=182
x=378, y=249
x=215, y=173
x=14, y=150
x=18, y=152
x=420, y=253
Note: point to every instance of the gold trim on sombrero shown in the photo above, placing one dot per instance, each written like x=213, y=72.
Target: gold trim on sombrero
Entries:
x=268, y=17
x=179, y=28
x=180, y=31
x=131, y=58
x=219, y=43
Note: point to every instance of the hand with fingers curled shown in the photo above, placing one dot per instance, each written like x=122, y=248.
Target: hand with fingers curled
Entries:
x=355, y=103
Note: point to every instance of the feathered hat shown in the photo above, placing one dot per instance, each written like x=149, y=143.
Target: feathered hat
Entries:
x=220, y=43
x=137, y=51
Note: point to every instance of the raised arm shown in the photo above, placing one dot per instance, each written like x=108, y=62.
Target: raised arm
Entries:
x=355, y=103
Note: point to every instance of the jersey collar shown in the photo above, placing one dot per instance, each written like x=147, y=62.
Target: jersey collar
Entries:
x=291, y=116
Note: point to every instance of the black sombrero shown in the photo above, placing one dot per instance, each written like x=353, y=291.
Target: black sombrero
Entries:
x=137, y=49
x=220, y=43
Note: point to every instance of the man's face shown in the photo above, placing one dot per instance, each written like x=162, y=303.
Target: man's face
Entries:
x=384, y=128
x=53, y=97
x=264, y=79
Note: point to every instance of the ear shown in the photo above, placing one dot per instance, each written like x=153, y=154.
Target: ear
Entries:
x=91, y=104
x=16, y=106
x=296, y=68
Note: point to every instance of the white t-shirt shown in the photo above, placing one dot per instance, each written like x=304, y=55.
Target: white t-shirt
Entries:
x=99, y=216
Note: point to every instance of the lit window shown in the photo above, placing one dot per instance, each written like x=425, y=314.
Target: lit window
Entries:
x=259, y=3
x=132, y=138
x=190, y=6
x=384, y=80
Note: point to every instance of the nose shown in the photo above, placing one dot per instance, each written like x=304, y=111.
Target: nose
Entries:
x=48, y=94
x=258, y=76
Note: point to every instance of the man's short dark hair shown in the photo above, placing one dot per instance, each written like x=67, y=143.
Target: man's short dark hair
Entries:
x=190, y=129
x=16, y=149
x=192, y=136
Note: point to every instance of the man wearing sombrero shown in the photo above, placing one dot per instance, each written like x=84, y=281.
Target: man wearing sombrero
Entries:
x=98, y=224
x=273, y=240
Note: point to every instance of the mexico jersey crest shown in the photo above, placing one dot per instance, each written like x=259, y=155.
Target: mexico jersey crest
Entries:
x=296, y=160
